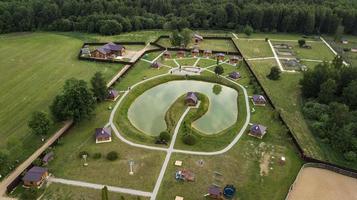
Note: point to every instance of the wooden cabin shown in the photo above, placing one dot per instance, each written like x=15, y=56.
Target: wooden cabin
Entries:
x=207, y=53
x=258, y=131
x=259, y=100
x=195, y=52
x=191, y=99
x=35, y=177
x=220, y=56
x=110, y=50
x=103, y=135
x=180, y=54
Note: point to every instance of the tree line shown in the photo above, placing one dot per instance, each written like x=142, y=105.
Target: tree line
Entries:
x=116, y=16
x=330, y=92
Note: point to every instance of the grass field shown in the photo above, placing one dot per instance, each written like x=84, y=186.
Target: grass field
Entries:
x=254, y=48
x=285, y=94
x=33, y=69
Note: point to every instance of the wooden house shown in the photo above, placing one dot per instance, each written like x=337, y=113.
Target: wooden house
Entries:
x=195, y=52
x=35, y=177
x=207, y=53
x=220, y=56
x=197, y=38
x=103, y=135
x=110, y=50
x=258, y=131
x=167, y=55
x=180, y=54
x=234, y=59
x=191, y=99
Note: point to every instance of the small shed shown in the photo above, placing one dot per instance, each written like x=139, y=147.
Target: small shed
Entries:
x=35, y=176
x=155, y=65
x=191, y=99
x=344, y=41
x=167, y=54
x=215, y=192
x=180, y=54
x=103, y=135
x=220, y=56
x=259, y=100
x=257, y=131
x=112, y=94
x=207, y=53
x=234, y=75
x=195, y=52
x=234, y=59
x=197, y=38
x=48, y=157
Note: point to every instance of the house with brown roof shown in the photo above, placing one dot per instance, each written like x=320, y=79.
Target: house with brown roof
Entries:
x=35, y=177
x=180, y=54
x=257, y=131
x=220, y=56
x=191, y=99
x=167, y=54
x=103, y=135
x=207, y=53
x=195, y=52
x=109, y=50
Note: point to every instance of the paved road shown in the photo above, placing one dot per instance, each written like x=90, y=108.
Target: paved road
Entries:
x=100, y=186
x=9, y=179
x=168, y=155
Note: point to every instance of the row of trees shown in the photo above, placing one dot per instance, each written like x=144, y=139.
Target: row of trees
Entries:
x=330, y=91
x=115, y=16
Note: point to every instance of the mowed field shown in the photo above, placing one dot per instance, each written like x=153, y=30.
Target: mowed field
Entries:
x=33, y=70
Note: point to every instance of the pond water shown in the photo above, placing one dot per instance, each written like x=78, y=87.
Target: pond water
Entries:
x=147, y=112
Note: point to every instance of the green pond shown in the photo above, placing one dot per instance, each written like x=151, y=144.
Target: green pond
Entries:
x=147, y=112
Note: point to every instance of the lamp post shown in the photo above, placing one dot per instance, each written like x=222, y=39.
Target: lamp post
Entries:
x=84, y=156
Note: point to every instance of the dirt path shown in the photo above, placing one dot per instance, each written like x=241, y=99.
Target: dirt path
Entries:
x=315, y=183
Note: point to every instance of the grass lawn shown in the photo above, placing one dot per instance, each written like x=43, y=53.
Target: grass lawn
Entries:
x=186, y=61
x=68, y=165
x=168, y=62
x=243, y=166
x=254, y=48
x=285, y=93
x=57, y=191
x=151, y=56
x=138, y=72
x=319, y=50
x=34, y=67
x=204, y=62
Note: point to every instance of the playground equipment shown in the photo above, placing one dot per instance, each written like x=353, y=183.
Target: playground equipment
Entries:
x=229, y=191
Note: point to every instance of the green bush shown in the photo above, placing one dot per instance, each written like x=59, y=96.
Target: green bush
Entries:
x=83, y=153
x=113, y=155
x=350, y=156
x=189, y=139
x=165, y=136
x=97, y=155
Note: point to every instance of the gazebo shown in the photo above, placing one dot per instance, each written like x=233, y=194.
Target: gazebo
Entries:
x=167, y=54
x=112, y=94
x=103, y=135
x=191, y=99
x=234, y=75
x=234, y=59
x=259, y=100
x=155, y=65
x=258, y=131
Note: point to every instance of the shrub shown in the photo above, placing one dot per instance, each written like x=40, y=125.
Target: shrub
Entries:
x=274, y=73
x=189, y=139
x=97, y=155
x=113, y=155
x=301, y=42
x=165, y=136
x=83, y=153
x=350, y=156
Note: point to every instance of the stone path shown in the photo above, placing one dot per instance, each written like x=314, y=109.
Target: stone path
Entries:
x=276, y=57
x=100, y=186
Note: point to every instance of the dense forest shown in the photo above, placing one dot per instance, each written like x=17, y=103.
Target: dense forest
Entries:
x=330, y=91
x=116, y=16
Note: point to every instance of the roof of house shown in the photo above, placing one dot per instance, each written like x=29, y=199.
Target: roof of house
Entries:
x=103, y=132
x=208, y=51
x=34, y=174
x=220, y=54
x=234, y=74
x=107, y=48
x=258, y=98
x=155, y=64
x=192, y=96
x=112, y=93
x=198, y=36
x=258, y=129
x=48, y=157
x=195, y=51
x=213, y=190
